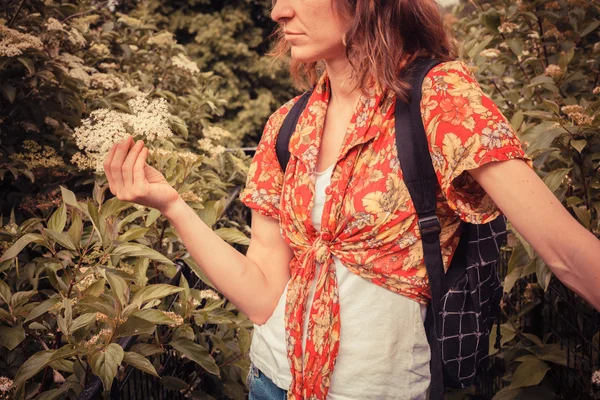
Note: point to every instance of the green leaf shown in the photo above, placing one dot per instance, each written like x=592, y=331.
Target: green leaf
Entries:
x=153, y=292
x=152, y=217
x=233, y=235
x=105, y=363
x=42, y=308
x=28, y=63
x=83, y=320
x=11, y=337
x=584, y=216
x=62, y=238
x=5, y=292
x=99, y=223
x=140, y=362
x=133, y=234
x=589, y=27
x=134, y=326
x=517, y=120
x=33, y=365
x=112, y=207
x=555, y=178
x=58, y=219
x=529, y=373
x=154, y=316
x=21, y=298
x=516, y=45
x=578, y=144
x=173, y=383
x=139, y=250
x=76, y=229
x=69, y=197
x=147, y=349
x=9, y=91
x=543, y=273
x=197, y=353
x=119, y=287
x=20, y=244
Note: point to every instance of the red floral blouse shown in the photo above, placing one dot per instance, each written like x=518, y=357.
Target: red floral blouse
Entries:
x=369, y=221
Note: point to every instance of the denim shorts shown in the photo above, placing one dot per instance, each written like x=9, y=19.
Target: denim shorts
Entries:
x=263, y=388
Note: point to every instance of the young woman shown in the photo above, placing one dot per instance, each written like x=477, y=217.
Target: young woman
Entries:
x=334, y=277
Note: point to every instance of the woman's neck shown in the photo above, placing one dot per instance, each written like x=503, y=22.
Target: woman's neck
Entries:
x=343, y=92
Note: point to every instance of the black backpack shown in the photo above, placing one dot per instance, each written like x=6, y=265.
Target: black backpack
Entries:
x=465, y=300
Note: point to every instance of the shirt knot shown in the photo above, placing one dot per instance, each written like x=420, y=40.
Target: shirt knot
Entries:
x=321, y=249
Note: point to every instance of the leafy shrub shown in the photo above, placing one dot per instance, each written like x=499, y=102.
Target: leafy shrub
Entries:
x=79, y=271
x=540, y=62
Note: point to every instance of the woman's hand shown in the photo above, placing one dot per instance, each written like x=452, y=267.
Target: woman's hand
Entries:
x=131, y=179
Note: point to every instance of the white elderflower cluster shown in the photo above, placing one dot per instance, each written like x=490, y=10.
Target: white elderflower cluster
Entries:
x=553, y=71
x=54, y=25
x=162, y=39
x=76, y=38
x=183, y=62
x=207, y=145
x=216, y=133
x=177, y=319
x=37, y=156
x=13, y=43
x=97, y=133
x=5, y=384
x=106, y=81
x=490, y=53
x=596, y=378
x=209, y=294
x=100, y=49
x=507, y=27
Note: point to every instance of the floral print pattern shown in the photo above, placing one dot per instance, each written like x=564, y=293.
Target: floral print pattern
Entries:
x=369, y=221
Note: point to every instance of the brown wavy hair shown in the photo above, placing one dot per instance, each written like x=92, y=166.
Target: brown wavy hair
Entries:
x=384, y=38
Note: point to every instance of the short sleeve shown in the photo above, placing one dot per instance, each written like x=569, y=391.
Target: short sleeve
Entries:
x=465, y=130
x=265, y=176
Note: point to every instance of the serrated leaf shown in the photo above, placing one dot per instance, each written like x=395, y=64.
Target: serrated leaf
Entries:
x=28, y=63
x=33, y=365
x=139, y=250
x=105, y=363
x=197, y=353
x=58, y=219
x=9, y=91
x=147, y=349
x=139, y=362
x=42, y=308
x=589, y=27
x=20, y=244
x=112, y=207
x=11, y=337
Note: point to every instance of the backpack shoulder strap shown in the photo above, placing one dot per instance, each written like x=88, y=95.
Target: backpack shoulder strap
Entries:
x=287, y=129
x=421, y=181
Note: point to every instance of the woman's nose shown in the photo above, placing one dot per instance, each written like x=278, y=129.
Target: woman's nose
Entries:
x=282, y=11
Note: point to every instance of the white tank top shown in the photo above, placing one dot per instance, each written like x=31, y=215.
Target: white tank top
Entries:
x=383, y=351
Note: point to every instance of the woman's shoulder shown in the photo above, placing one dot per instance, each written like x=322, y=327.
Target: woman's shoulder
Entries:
x=454, y=72
x=276, y=119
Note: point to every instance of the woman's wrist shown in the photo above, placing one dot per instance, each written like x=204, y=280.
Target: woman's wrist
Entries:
x=173, y=209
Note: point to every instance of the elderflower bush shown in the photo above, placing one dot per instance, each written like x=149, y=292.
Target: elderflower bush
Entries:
x=540, y=63
x=79, y=272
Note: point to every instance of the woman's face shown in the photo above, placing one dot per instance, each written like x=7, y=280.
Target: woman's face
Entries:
x=312, y=29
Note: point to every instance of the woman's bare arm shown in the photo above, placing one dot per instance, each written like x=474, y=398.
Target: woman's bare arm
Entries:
x=255, y=282
x=571, y=251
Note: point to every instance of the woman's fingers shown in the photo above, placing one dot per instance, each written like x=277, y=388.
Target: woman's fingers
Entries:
x=139, y=176
x=127, y=169
x=117, y=163
x=107, y=161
